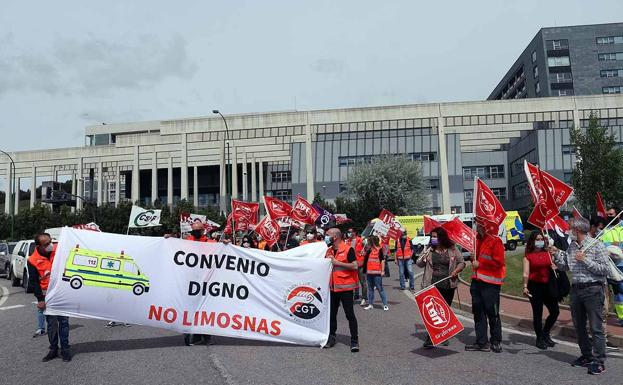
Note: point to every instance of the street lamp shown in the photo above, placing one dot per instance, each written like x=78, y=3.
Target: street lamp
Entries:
x=217, y=112
x=10, y=197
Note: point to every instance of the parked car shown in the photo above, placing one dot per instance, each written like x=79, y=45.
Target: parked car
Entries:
x=18, y=271
x=5, y=258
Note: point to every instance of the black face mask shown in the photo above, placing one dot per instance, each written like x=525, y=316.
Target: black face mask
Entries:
x=196, y=233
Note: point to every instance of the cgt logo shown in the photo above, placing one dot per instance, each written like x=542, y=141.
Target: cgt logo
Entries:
x=304, y=302
x=145, y=218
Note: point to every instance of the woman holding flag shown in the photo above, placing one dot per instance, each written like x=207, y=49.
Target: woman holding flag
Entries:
x=441, y=260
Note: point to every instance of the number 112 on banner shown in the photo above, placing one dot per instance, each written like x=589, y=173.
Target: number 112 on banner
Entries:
x=439, y=319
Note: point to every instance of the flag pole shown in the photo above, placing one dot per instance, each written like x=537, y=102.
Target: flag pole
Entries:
x=431, y=285
x=602, y=232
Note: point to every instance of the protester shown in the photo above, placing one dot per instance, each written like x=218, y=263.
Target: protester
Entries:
x=586, y=259
x=373, y=268
x=310, y=237
x=537, y=267
x=281, y=243
x=489, y=270
x=343, y=283
x=404, y=255
x=39, y=270
x=441, y=260
x=614, y=234
x=40, y=323
x=356, y=242
x=597, y=225
x=616, y=254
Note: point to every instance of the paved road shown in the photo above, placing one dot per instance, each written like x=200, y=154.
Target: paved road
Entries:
x=391, y=353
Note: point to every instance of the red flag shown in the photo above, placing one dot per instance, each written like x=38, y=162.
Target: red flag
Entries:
x=430, y=224
x=277, y=208
x=545, y=207
x=304, y=212
x=439, y=319
x=488, y=211
x=559, y=190
x=576, y=213
x=460, y=233
x=601, y=208
x=269, y=230
x=227, y=229
x=245, y=211
x=395, y=231
x=558, y=222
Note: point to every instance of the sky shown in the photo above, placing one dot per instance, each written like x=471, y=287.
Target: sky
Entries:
x=66, y=64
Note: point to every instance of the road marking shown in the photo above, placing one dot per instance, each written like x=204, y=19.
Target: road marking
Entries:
x=222, y=371
x=11, y=307
x=4, y=295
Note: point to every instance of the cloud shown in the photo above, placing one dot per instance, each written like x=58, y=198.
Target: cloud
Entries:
x=94, y=66
x=328, y=66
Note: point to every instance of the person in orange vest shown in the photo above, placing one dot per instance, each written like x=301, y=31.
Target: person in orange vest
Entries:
x=344, y=280
x=374, y=266
x=489, y=270
x=39, y=271
x=356, y=242
x=404, y=260
x=310, y=237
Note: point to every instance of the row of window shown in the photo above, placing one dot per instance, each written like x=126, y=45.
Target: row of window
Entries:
x=394, y=133
x=611, y=56
x=374, y=125
x=612, y=90
x=284, y=195
x=610, y=40
x=558, y=61
x=612, y=73
x=281, y=176
x=499, y=193
x=483, y=172
x=345, y=161
x=557, y=44
x=529, y=117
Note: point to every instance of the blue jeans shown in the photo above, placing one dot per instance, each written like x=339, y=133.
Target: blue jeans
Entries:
x=40, y=319
x=376, y=281
x=58, y=327
x=408, y=264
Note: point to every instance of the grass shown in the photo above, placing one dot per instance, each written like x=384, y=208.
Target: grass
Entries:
x=513, y=284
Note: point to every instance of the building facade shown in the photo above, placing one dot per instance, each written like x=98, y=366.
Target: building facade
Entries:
x=565, y=61
x=286, y=154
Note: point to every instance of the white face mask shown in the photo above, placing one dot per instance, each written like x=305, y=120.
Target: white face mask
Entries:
x=310, y=237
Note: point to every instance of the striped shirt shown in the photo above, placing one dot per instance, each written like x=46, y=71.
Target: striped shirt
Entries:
x=594, y=268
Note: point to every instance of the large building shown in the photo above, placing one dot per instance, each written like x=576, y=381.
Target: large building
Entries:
x=285, y=154
x=564, y=61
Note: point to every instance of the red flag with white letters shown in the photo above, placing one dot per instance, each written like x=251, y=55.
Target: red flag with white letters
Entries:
x=269, y=230
x=276, y=208
x=245, y=211
x=545, y=207
x=303, y=211
x=488, y=211
x=460, y=233
x=439, y=319
x=395, y=231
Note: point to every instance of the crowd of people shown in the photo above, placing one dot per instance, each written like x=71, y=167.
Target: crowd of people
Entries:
x=360, y=263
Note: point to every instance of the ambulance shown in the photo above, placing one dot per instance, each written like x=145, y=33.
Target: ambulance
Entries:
x=104, y=269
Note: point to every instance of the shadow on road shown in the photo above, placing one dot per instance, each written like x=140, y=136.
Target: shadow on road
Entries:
x=126, y=344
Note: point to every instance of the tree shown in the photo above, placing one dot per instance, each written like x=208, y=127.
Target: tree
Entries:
x=393, y=182
x=599, y=165
x=320, y=201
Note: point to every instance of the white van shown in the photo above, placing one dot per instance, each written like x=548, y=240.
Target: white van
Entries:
x=18, y=272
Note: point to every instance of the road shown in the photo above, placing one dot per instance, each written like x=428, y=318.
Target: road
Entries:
x=391, y=353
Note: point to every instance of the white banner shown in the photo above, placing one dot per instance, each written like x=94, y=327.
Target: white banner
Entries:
x=140, y=217
x=193, y=287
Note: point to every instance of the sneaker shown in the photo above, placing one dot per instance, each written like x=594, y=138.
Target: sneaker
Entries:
x=548, y=341
x=477, y=348
x=50, y=356
x=596, y=368
x=428, y=344
x=402, y=288
x=111, y=324
x=541, y=344
x=496, y=348
x=354, y=347
x=330, y=343
x=39, y=332
x=66, y=356
x=127, y=325
x=368, y=307
x=581, y=362
x=188, y=340
x=386, y=308
x=363, y=302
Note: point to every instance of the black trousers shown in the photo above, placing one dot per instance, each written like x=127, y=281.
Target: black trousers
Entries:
x=447, y=294
x=346, y=299
x=541, y=296
x=486, y=309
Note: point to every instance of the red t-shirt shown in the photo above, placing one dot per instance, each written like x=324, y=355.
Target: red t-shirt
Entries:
x=540, y=264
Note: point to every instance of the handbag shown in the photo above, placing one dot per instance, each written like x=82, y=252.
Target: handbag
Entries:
x=558, y=284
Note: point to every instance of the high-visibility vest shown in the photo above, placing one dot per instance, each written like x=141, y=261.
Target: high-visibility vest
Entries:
x=43, y=266
x=305, y=242
x=486, y=250
x=357, y=244
x=342, y=278
x=374, y=262
x=192, y=238
x=406, y=253
x=212, y=240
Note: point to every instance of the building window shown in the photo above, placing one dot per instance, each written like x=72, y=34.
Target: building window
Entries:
x=610, y=40
x=342, y=188
x=557, y=44
x=562, y=77
x=612, y=56
x=284, y=195
x=568, y=149
x=559, y=61
x=521, y=190
x=431, y=184
x=533, y=56
x=535, y=72
x=565, y=92
x=499, y=193
x=424, y=156
x=281, y=176
x=537, y=87
x=613, y=73
x=567, y=177
x=483, y=172
x=612, y=90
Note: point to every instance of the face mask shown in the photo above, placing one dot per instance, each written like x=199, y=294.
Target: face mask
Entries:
x=350, y=235
x=246, y=244
x=259, y=238
x=328, y=240
x=539, y=244
x=297, y=237
x=196, y=233
x=434, y=241
x=310, y=237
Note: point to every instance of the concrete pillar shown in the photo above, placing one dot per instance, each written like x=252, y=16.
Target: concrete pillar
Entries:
x=16, y=194
x=261, y=176
x=245, y=178
x=7, y=189
x=117, y=185
x=154, y=177
x=105, y=191
x=79, y=185
x=222, y=179
x=196, y=186
x=253, y=181
x=309, y=164
x=234, y=174
x=170, y=182
x=33, y=186
x=444, y=179
x=135, y=177
x=184, y=171
x=100, y=184
x=73, y=188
